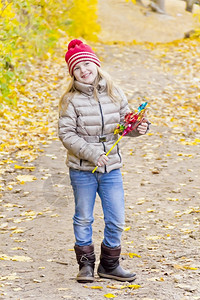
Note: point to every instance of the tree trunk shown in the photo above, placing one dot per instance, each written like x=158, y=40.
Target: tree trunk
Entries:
x=158, y=6
x=140, y=3
x=189, y=5
x=161, y=4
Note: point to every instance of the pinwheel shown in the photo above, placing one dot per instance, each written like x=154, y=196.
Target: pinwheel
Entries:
x=131, y=122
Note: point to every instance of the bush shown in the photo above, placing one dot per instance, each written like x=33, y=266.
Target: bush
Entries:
x=30, y=28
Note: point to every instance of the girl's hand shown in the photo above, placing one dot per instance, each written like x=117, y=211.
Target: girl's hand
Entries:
x=142, y=128
x=102, y=161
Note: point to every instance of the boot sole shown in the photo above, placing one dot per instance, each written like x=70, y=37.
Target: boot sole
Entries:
x=116, y=277
x=85, y=279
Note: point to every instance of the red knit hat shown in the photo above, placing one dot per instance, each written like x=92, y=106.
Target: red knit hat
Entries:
x=78, y=52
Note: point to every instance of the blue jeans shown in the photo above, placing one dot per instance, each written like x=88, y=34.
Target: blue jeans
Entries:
x=109, y=186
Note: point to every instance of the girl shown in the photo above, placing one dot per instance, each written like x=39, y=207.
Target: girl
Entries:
x=88, y=114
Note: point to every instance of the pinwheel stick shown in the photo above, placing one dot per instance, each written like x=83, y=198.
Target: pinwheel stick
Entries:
x=123, y=134
x=110, y=150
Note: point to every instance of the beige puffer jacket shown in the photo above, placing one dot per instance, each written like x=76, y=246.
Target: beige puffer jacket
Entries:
x=86, y=128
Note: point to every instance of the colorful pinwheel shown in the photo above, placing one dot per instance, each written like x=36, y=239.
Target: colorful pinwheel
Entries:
x=131, y=121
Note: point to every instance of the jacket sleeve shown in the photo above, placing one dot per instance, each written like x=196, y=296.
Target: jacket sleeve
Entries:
x=72, y=141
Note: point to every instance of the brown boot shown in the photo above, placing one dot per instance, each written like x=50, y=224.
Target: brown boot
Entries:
x=86, y=259
x=109, y=265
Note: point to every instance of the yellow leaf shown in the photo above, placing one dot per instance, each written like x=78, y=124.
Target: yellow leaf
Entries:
x=172, y=199
x=115, y=287
x=134, y=286
x=21, y=258
x=55, y=216
x=131, y=255
x=189, y=143
x=127, y=228
x=15, y=258
x=152, y=238
x=162, y=279
x=30, y=213
x=184, y=267
x=13, y=228
x=9, y=277
x=189, y=268
x=9, y=187
x=93, y=287
x=24, y=167
x=10, y=205
x=178, y=267
x=17, y=248
x=18, y=231
x=26, y=178
x=150, y=210
x=109, y=295
x=19, y=241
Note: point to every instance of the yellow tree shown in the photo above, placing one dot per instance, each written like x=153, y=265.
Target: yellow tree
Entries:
x=84, y=19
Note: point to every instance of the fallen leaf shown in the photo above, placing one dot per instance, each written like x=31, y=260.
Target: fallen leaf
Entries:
x=131, y=255
x=26, y=178
x=37, y=281
x=12, y=276
x=19, y=230
x=190, y=268
x=127, y=228
x=15, y=258
x=93, y=287
x=19, y=241
x=154, y=237
x=134, y=286
x=17, y=289
x=109, y=295
x=24, y=167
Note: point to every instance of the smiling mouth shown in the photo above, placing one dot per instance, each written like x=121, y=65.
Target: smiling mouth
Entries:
x=86, y=75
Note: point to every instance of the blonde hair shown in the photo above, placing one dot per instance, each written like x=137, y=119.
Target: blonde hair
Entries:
x=112, y=90
x=67, y=96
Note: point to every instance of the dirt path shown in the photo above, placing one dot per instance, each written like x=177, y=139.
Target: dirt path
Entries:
x=161, y=242
x=133, y=22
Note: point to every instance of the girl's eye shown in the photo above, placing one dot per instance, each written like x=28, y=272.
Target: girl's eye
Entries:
x=87, y=63
x=75, y=69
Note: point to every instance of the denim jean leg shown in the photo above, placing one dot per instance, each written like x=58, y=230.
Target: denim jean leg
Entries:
x=111, y=193
x=84, y=186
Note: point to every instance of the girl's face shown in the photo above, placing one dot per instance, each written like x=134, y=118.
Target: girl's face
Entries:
x=85, y=72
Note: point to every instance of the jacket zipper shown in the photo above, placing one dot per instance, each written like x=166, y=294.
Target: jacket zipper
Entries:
x=102, y=119
x=102, y=128
x=119, y=153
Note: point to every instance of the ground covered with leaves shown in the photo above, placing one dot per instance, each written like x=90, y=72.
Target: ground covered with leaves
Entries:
x=161, y=240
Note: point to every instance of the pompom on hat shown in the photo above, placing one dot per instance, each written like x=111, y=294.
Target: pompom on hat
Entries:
x=78, y=52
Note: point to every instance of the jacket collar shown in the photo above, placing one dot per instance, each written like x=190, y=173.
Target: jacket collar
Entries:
x=88, y=89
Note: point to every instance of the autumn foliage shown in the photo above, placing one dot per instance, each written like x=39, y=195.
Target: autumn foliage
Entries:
x=31, y=28
x=34, y=37
x=160, y=170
